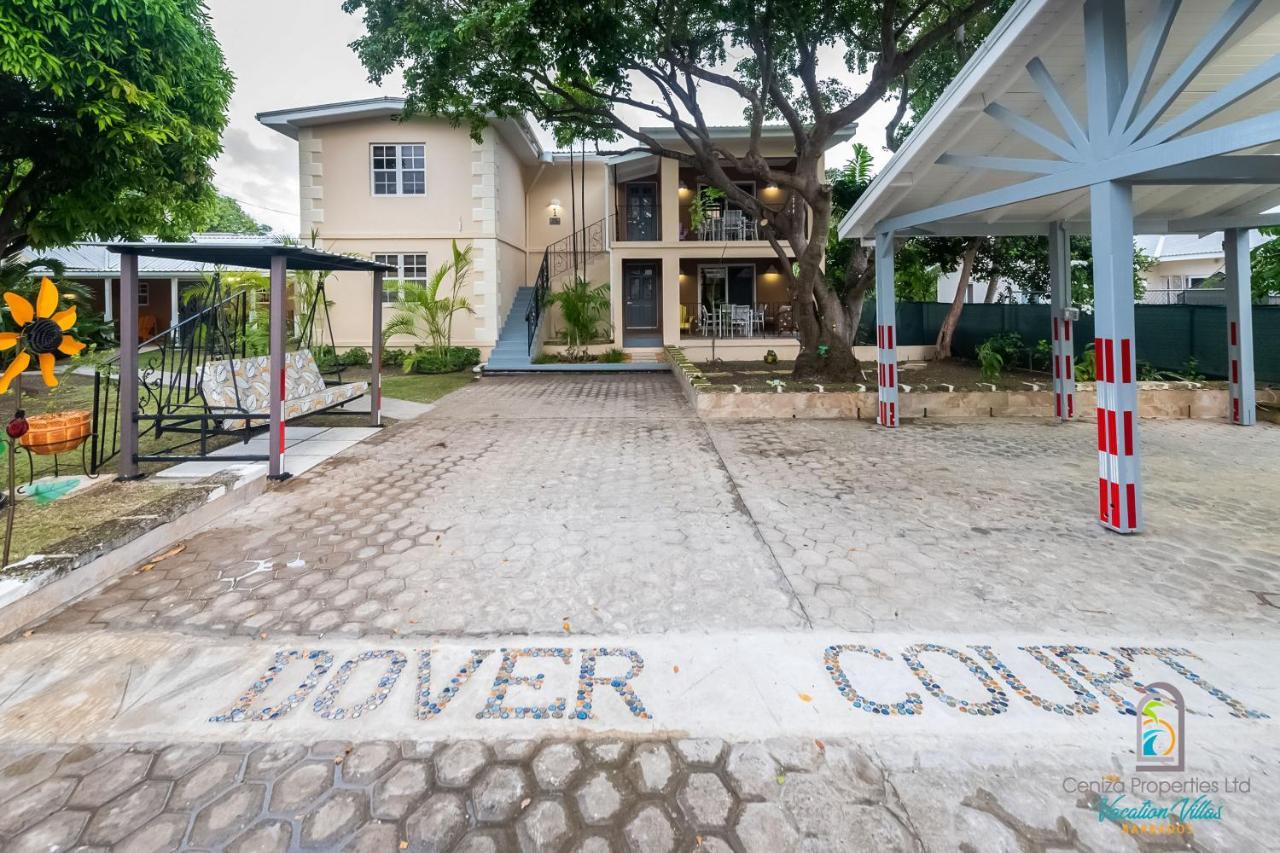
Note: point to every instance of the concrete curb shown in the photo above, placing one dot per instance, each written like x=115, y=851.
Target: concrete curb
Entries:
x=42, y=592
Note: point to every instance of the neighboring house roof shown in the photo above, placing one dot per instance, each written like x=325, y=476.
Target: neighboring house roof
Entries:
x=93, y=260
x=995, y=90
x=1190, y=247
x=517, y=132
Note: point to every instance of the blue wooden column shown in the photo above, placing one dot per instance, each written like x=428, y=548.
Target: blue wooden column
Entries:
x=888, y=411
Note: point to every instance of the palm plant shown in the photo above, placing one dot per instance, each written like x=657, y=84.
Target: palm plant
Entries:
x=582, y=307
x=427, y=314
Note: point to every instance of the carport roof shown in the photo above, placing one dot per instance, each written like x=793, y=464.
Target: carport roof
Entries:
x=1009, y=146
x=252, y=255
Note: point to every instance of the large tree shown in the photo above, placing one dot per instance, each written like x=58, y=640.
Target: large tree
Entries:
x=603, y=69
x=110, y=113
x=228, y=217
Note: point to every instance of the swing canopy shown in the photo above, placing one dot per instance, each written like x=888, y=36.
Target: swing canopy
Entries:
x=279, y=388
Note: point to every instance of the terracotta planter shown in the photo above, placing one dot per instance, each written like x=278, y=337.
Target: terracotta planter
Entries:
x=56, y=432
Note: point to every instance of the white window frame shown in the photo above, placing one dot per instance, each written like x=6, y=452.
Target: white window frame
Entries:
x=399, y=170
x=144, y=294
x=396, y=259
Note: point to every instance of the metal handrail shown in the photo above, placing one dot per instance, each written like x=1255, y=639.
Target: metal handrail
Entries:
x=541, y=286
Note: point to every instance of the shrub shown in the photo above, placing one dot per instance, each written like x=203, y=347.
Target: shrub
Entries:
x=393, y=357
x=1086, y=366
x=354, y=357
x=613, y=356
x=546, y=358
x=430, y=360
x=990, y=361
x=325, y=356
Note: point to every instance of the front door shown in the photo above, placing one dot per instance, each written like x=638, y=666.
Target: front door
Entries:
x=640, y=310
x=642, y=211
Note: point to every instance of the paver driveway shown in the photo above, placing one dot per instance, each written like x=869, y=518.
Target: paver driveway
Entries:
x=566, y=614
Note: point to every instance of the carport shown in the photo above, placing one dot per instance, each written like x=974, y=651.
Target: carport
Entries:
x=1102, y=118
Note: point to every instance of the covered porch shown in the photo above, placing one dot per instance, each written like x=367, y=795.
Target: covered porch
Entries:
x=1132, y=118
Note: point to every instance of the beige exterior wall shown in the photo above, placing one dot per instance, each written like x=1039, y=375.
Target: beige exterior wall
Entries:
x=483, y=195
x=474, y=194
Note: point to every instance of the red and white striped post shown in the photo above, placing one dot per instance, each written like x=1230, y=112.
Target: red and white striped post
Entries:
x=1239, y=290
x=1063, y=343
x=1119, y=475
x=276, y=384
x=886, y=334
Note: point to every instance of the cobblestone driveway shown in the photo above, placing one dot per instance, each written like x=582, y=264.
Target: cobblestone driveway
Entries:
x=602, y=506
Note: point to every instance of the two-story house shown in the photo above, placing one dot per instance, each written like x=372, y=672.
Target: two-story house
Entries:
x=400, y=190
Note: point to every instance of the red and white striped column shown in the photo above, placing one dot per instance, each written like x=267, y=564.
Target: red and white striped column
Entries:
x=1063, y=343
x=1239, y=290
x=1119, y=474
x=886, y=334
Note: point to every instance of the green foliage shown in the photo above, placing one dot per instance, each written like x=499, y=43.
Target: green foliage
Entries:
x=326, y=357
x=583, y=309
x=228, y=217
x=1042, y=355
x=700, y=203
x=426, y=313
x=990, y=360
x=113, y=110
x=393, y=357
x=355, y=357
x=1087, y=365
x=431, y=360
x=1009, y=346
x=546, y=358
x=848, y=183
x=612, y=356
x=1265, y=263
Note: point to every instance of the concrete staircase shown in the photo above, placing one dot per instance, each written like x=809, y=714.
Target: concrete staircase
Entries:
x=511, y=352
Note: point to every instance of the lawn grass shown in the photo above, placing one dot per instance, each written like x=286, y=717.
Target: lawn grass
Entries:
x=414, y=387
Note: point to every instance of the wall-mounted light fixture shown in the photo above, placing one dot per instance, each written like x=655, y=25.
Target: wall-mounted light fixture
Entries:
x=553, y=211
x=772, y=269
x=683, y=190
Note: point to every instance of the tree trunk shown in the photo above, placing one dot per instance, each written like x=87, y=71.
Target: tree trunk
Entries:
x=822, y=321
x=991, y=288
x=947, y=331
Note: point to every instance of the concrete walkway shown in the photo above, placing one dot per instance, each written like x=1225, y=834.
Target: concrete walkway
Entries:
x=565, y=614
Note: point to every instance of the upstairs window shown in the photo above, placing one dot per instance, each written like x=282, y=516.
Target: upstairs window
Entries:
x=409, y=267
x=399, y=169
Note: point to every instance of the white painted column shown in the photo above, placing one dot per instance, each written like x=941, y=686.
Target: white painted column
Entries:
x=1119, y=475
x=1063, y=339
x=276, y=379
x=109, y=300
x=886, y=334
x=173, y=303
x=1239, y=286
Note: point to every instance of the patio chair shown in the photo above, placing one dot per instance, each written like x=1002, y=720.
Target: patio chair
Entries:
x=706, y=321
x=735, y=225
x=757, y=320
x=741, y=318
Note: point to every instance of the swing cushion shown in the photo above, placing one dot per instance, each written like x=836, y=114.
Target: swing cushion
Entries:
x=304, y=388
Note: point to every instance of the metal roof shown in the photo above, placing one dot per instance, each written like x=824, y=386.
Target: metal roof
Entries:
x=1002, y=86
x=251, y=255
x=93, y=260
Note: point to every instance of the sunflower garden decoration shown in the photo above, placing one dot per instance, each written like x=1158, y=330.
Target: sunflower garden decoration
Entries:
x=43, y=330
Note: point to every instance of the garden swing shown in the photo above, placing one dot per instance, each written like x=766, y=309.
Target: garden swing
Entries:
x=199, y=379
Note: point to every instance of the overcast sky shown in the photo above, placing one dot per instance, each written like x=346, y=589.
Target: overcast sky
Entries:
x=293, y=53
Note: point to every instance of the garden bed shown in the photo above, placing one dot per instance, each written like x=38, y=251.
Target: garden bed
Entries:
x=953, y=389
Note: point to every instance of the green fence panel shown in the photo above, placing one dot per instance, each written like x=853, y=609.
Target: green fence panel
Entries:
x=1168, y=336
